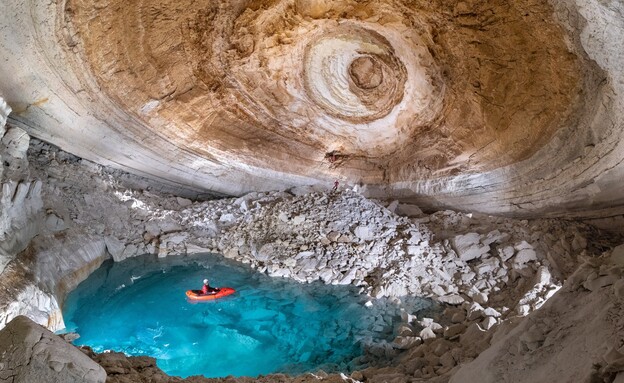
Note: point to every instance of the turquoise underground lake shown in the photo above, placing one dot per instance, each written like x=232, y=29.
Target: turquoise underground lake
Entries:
x=269, y=325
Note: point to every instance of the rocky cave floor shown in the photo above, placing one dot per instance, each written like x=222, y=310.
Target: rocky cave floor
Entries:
x=511, y=292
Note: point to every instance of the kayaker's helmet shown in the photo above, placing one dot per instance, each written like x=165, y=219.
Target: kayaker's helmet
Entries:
x=205, y=281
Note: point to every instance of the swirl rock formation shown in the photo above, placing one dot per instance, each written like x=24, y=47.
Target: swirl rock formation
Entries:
x=484, y=106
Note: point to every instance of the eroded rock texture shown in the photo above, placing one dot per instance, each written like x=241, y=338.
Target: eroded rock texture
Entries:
x=31, y=353
x=442, y=102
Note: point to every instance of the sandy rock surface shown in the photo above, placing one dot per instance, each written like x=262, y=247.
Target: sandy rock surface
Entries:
x=576, y=336
x=31, y=353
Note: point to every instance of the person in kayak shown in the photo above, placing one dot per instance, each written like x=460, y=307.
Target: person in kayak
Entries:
x=207, y=290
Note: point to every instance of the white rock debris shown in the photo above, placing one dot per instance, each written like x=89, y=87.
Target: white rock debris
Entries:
x=5, y=110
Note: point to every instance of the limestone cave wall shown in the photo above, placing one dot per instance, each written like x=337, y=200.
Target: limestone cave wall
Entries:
x=482, y=106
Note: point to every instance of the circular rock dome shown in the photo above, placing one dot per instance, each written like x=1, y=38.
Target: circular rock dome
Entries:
x=353, y=74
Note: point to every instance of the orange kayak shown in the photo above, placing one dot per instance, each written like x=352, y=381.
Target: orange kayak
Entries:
x=196, y=295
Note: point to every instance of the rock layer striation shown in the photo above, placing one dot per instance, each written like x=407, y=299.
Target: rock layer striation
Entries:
x=446, y=104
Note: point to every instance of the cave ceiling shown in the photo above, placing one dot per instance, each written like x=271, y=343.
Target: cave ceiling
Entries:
x=437, y=101
x=429, y=86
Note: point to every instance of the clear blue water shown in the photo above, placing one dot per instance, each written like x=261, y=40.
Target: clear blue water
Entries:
x=269, y=325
